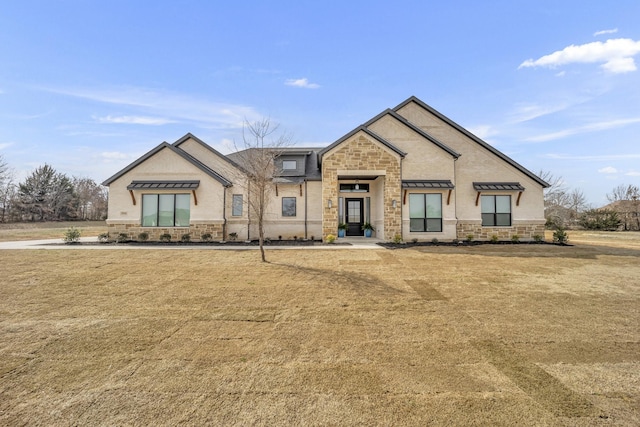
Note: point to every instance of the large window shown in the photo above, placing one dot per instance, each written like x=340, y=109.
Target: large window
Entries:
x=425, y=212
x=288, y=206
x=236, y=209
x=496, y=211
x=165, y=210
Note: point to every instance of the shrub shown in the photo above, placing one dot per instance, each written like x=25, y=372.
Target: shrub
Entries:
x=122, y=238
x=206, y=237
x=143, y=237
x=330, y=238
x=414, y=240
x=166, y=237
x=313, y=238
x=470, y=238
x=185, y=238
x=538, y=238
x=434, y=241
x=103, y=237
x=267, y=240
x=600, y=219
x=397, y=238
x=295, y=238
x=494, y=238
x=233, y=236
x=72, y=235
x=515, y=238
x=560, y=236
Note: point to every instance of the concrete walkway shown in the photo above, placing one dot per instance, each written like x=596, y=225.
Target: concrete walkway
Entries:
x=342, y=243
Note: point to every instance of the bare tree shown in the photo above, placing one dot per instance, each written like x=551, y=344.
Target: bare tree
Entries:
x=7, y=189
x=91, y=198
x=626, y=201
x=261, y=144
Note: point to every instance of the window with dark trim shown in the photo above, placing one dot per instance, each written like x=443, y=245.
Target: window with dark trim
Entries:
x=166, y=210
x=425, y=212
x=496, y=211
x=288, y=206
x=289, y=165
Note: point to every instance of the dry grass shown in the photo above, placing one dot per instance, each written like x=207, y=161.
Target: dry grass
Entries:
x=48, y=230
x=483, y=335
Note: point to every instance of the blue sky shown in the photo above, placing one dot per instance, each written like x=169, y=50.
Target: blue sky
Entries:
x=89, y=86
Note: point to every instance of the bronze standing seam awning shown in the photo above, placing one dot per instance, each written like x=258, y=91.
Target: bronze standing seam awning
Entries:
x=164, y=185
x=498, y=186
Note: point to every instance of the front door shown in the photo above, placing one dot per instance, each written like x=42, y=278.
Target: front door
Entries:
x=355, y=217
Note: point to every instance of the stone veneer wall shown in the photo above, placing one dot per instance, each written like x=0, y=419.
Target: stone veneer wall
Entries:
x=524, y=231
x=195, y=230
x=361, y=154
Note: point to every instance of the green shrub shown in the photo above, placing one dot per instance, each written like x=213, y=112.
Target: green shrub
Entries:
x=414, y=240
x=122, y=238
x=206, y=237
x=515, y=238
x=330, y=238
x=397, y=238
x=560, y=236
x=233, y=236
x=470, y=238
x=434, y=241
x=143, y=237
x=166, y=237
x=103, y=237
x=185, y=238
x=538, y=238
x=494, y=238
x=72, y=235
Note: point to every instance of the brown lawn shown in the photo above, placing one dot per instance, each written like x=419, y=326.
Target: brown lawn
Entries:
x=484, y=335
x=48, y=230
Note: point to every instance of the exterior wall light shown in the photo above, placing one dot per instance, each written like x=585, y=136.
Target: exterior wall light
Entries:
x=394, y=203
x=329, y=203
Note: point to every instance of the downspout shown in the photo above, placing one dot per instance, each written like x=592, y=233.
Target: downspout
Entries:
x=248, y=210
x=306, y=205
x=224, y=214
x=455, y=193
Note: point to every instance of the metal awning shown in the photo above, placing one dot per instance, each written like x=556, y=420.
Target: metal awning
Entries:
x=434, y=183
x=498, y=186
x=163, y=185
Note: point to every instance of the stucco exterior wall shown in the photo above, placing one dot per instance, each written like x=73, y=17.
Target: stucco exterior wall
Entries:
x=206, y=216
x=477, y=164
x=361, y=155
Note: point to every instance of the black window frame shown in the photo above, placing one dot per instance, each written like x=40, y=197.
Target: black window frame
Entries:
x=157, y=208
x=491, y=219
x=426, y=220
x=286, y=213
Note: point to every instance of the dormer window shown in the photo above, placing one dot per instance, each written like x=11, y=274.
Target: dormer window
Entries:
x=289, y=165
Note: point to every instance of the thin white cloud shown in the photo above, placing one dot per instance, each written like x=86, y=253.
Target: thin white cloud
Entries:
x=173, y=106
x=600, y=158
x=4, y=145
x=594, y=127
x=304, y=83
x=632, y=173
x=608, y=170
x=113, y=155
x=615, y=54
x=599, y=33
x=134, y=120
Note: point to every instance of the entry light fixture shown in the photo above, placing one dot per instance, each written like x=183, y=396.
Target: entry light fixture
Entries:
x=329, y=203
x=394, y=203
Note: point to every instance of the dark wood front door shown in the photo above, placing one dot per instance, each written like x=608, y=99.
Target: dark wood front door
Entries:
x=355, y=217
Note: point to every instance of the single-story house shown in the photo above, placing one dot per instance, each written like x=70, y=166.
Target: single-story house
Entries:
x=410, y=172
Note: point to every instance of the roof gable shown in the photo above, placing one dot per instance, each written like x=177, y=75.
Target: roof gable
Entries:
x=165, y=145
x=422, y=133
x=471, y=136
x=371, y=134
x=191, y=136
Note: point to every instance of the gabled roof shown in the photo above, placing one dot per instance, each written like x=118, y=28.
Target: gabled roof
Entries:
x=473, y=138
x=189, y=135
x=414, y=128
x=165, y=145
x=369, y=132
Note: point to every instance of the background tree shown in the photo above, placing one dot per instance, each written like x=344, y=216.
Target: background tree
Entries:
x=91, y=199
x=261, y=144
x=600, y=219
x=46, y=195
x=7, y=189
x=625, y=199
